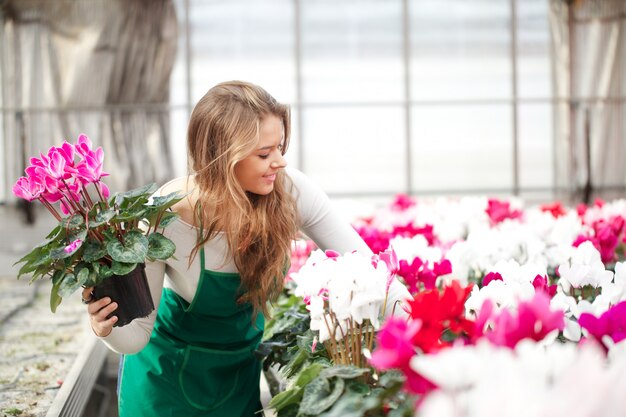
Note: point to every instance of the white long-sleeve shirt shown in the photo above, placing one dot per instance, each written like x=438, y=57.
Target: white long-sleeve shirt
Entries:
x=318, y=220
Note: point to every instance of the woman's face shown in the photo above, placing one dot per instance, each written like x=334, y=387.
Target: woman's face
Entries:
x=256, y=173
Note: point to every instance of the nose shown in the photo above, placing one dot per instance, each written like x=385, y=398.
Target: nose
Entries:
x=279, y=162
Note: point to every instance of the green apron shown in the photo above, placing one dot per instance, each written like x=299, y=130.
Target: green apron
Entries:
x=199, y=361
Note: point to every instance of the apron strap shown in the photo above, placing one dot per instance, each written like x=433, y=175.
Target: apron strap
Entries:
x=201, y=259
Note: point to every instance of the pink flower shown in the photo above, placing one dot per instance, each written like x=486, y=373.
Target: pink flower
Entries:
x=377, y=240
x=90, y=168
x=533, y=320
x=541, y=284
x=410, y=230
x=491, y=276
x=498, y=211
x=83, y=145
x=73, y=246
x=28, y=188
x=390, y=258
x=611, y=323
x=402, y=202
x=57, y=164
x=394, y=346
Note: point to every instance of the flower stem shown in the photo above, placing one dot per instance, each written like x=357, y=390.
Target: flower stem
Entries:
x=50, y=208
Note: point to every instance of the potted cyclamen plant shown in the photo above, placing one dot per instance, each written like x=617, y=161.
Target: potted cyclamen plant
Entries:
x=101, y=241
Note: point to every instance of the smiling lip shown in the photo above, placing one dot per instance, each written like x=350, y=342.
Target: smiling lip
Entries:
x=270, y=177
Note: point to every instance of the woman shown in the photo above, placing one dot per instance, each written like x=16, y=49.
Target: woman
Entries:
x=233, y=237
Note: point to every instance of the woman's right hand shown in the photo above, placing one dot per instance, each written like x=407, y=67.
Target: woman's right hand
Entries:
x=98, y=311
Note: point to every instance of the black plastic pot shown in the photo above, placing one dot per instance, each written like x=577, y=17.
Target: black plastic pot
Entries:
x=131, y=293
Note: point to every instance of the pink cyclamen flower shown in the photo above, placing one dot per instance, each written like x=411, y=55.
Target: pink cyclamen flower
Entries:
x=491, y=276
x=402, y=202
x=90, y=168
x=394, y=346
x=73, y=246
x=83, y=145
x=498, y=211
x=541, y=284
x=533, y=320
x=28, y=188
x=390, y=258
x=611, y=323
x=56, y=166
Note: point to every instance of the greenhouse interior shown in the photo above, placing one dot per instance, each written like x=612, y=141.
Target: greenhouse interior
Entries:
x=334, y=208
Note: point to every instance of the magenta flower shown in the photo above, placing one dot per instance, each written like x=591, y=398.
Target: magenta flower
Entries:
x=83, y=145
x=104, y=189
x=28, y=188
x=72, y=247
x=611, y=323
x=541, y=284
x=67, y=150
x=533, y=320
x=394, y=346
x=498, y=211
x=377, y=240
x=57, y=164
x=491, y=276
x=402, y=202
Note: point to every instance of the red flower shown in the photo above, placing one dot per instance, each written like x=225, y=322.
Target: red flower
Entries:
x=556, y=209
x=439, y=312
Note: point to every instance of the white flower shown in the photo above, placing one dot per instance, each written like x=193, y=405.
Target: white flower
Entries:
x=586, y=268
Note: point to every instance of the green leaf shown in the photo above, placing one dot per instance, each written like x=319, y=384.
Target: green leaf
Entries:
x=160, y=247
x=120, y=268
x=82, y=276
x=69, y=284
x=72, y=222
x=359, y=387
x=351, y=405
x=344, y=371
x=94, y=250
x=55, y=232
x=167, y=219
x=308, y=374
x=55, y=298
x=146, y=190
x=318, y=396
x=285, y=398
x=101, y=218
x=134, y=249
x=166, y=201
x=295, y=363
x=77, y=234
x=104, y=273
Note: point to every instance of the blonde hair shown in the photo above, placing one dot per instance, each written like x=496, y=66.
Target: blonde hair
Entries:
x=223, y=130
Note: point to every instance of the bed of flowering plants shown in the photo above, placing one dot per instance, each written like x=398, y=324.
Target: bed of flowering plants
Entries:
x=513, y=312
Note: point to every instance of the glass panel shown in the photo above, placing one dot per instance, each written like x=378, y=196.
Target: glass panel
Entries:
x=536, y=146
x=178, y=79
x=533, y=49
x=461, y=147
x=179, y=119
x=243, y=40
x=292, y=155
x=460, y=49
x=355, y=149
x=352, y=51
